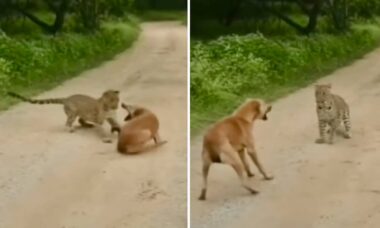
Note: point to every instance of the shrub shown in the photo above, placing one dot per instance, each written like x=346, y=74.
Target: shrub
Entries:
x=364, y=8
x=50, y=60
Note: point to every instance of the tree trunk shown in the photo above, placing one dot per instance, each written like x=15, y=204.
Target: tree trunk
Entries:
x=60, y=13
x=231, y=15
x=338, y=10
x=312, y=14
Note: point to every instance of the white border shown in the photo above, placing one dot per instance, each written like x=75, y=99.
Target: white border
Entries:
x=188, y=116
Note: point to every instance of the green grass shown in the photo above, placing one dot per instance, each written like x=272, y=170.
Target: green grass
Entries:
x=161, y=15
x=211, y=29
x=33, y=63
x=227, y=70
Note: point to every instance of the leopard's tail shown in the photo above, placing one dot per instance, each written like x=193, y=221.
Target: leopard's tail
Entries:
x=37, y=101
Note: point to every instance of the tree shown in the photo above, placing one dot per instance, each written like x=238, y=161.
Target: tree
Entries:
x=311, y=8
x=339, y=13
x=227, y=11
x=88, y=13
x=58, y=7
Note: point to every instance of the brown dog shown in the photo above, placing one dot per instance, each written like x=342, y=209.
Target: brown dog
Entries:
x=141, y=127
x=227, y=140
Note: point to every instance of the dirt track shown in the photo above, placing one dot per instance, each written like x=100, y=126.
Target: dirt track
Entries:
x=50, y=178
x=315, y=186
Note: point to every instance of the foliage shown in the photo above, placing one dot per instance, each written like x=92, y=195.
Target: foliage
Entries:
x=160, y=4
x=25, y=8
x=228, y=12
x=226, y=70
x=44, y=42
x=4, y=71
x=117, y=8
x=364, y=8
x=84, y=15
x=43, y=60
x=88, y=13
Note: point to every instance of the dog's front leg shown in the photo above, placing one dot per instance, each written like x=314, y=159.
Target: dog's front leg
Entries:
x=245, y=163
x=252, y=153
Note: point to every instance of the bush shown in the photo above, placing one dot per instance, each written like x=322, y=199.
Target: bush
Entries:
x=51, y=60
x=4, y=72
x=228, y=69
x=364, y=8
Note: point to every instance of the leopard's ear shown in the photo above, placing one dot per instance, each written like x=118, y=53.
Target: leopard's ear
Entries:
x=327, y=85
x=116, y=92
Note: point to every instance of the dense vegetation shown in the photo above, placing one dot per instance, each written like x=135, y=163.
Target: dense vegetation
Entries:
x=44, y=42
x=266, y=55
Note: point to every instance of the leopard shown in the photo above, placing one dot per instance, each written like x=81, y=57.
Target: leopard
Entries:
x=332, y=111
x=88, y=110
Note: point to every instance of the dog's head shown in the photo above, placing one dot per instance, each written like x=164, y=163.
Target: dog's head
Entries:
x=132, y=111
x=263, y=110
x=253, y=109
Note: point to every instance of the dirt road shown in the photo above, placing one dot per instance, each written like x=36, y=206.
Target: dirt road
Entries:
x=50, y=178
x=315, y=186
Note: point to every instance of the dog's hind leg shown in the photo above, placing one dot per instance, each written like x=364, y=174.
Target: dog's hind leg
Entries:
x=231, y=157
x=205, y=170
x=141, y=139
x=142, y=148
x=158, y=140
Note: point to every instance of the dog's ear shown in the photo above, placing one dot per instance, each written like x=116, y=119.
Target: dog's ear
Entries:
x=127, y=107
x=128, y=117
x=269, y=108
x=129, y=110
x=256, y=106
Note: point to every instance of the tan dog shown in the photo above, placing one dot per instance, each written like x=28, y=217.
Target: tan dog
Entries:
x=141, y=127
x=226, y=142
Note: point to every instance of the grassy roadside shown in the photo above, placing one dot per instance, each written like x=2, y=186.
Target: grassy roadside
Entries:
x=32, y=64
x=227, y=70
